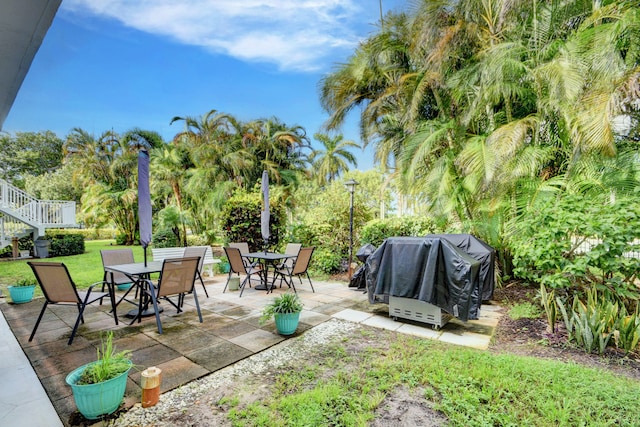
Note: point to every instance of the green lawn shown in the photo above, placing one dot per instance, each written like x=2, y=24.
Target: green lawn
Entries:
x=85, y=269
x=343, y=386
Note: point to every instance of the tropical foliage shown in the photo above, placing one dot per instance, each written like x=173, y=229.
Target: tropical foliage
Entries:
x=105, y=167
x=576, y=244
x=28, y=154
x=333, y=159
x=482, y=108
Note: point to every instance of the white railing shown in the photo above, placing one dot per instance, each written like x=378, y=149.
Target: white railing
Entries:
x=24, y=213
x=585, y=245
x=47, y=213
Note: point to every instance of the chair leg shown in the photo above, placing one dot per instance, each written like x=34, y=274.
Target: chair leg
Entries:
x=203, y=286
x=81, y=308
x=291, y=285
x=155, y=308
x=44, y=307
x=309, y=281
x=112, y=297
x=242, y=285
x=195, y=297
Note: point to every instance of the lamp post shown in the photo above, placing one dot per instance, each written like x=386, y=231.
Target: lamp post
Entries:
x=351, y=186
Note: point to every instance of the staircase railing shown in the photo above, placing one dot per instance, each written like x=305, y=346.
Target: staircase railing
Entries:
x=37, y=214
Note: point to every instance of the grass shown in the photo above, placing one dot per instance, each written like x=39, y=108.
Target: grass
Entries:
x=85, y=268
x=471, y=387
x=525, y=310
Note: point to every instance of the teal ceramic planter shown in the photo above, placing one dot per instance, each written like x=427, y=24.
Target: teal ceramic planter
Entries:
x=21, y=294
x=95, y=400
x=287, y=323
x=124, y=286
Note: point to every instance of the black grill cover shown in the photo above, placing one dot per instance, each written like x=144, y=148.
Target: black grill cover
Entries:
x=480, y=251
x=430, y=269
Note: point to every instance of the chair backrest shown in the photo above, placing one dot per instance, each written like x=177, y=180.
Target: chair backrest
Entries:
x=115, y=257
x=236, y=264
x=55, y=281
x=243, y=246
x=302, y=262
x=291, y=249
x=200, y=251
x=178, y=276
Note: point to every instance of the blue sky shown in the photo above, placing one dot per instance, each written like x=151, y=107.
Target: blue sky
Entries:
x=119, y=64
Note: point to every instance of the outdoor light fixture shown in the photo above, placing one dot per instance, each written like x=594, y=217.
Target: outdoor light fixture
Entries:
x=351, y=187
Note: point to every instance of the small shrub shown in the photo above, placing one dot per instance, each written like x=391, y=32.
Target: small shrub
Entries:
x=240, y=220
x=376, y=231
x=591, y=324
x=326, y=261
x=109, y=364
x=65, y=244
x=550, y=307
x=165, y=238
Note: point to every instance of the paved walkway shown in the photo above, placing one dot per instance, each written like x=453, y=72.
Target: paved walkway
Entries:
x=33, y=391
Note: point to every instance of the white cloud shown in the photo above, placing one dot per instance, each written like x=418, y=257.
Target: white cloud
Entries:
x=301, y=35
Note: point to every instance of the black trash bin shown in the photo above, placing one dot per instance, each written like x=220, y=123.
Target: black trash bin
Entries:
x=42, y=248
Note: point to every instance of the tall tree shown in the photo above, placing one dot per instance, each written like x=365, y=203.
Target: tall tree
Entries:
x=328, y=163
x=106, y=168
x=495, y=103
x=29, y=154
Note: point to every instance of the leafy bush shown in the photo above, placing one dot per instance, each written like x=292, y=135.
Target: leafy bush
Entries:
x=326, y=261
x=377, y=230
x=165, y=238
x=64, y=244
x=97, y=233
x=304, y=234
x=195, y=240
x=240, y=220
x=546, y=245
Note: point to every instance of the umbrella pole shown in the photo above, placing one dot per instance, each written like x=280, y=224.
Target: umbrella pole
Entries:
x=145, y=256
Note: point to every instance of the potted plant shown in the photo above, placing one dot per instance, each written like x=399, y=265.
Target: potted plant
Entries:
x=98, y=387
x=23, y=290
x=285, y=309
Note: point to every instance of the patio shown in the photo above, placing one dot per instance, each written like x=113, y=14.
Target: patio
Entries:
x=189, y=349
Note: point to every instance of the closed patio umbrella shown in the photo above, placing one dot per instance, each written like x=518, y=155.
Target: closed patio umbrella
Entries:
x=144, y=201
x=265, y=215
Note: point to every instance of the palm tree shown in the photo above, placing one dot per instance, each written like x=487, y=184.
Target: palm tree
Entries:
x=486, y=106
x=328, y=163
x=106, y=169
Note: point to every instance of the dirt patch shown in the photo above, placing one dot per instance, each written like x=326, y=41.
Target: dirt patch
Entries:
x=405, y=408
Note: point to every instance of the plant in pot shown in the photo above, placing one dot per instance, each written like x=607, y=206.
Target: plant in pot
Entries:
x=98, y=387
x=22, y=291
x=285, y=310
